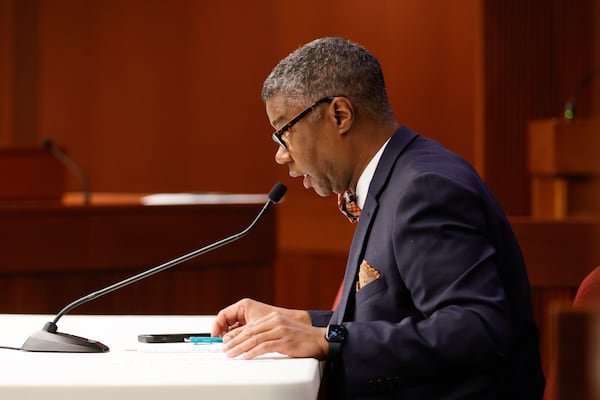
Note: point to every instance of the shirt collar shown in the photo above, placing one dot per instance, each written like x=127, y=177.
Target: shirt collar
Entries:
x=362, y=187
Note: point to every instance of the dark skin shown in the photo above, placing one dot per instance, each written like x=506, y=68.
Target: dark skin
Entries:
x=330, y=153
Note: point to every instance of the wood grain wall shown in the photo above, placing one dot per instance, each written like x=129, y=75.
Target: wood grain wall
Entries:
x=536, y=53
x=165, y=96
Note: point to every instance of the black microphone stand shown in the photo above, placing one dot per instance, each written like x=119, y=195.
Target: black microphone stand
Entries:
x=73, y=167
x=50, y=340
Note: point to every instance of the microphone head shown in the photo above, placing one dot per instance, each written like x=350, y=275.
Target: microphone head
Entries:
x=48, y=144
x=276, y=194
x=569, y=112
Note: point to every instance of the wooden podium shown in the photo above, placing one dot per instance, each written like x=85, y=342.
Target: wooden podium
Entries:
x=30, y=174
x=564, y=162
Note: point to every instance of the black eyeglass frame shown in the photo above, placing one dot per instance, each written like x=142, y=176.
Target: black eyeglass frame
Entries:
x=278, y=134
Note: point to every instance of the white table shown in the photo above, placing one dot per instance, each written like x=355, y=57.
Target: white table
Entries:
x=131, y=370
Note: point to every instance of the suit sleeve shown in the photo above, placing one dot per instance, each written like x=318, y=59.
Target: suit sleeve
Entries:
x=320, y=318
x=460, y=321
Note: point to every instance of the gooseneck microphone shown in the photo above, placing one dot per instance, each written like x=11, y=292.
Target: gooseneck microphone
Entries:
x=72, y=166
x=50, y=340
x=569, y=109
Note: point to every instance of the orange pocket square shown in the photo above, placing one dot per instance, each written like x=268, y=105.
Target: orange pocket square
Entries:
x=366, y=275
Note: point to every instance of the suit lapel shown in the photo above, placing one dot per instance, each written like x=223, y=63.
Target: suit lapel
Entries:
x=398, y=142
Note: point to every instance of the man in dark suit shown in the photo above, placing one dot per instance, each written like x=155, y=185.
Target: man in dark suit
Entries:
x=436, y=300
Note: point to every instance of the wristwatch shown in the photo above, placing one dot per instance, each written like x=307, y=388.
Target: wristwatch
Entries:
x=335, y=336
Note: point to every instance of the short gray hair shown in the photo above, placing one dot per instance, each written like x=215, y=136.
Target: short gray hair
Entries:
x=331, y=66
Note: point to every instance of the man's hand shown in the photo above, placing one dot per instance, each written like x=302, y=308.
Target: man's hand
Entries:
x=250, y=329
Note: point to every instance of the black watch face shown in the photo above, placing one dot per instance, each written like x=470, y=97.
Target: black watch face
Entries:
x=336, y=333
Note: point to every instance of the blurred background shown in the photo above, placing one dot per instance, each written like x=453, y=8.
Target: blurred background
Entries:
x=155, y=96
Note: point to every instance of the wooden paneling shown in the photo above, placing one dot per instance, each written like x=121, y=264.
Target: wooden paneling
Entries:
x=595, y=84
x=308, y=281
x=26, y=71
x=148, y=96
x=54, y=254
x=7, y=29
x=154, y=96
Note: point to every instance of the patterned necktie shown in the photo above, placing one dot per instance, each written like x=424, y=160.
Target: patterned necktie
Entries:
x=348, y=206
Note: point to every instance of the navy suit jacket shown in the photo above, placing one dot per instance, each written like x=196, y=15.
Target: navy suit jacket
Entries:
x=450, y=316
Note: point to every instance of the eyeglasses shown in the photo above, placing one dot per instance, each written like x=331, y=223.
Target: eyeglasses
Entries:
x=278, y=134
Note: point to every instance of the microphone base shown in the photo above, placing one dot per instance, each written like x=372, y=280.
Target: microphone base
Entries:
x=57, y=342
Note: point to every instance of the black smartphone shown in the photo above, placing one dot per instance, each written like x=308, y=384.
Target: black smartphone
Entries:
x=168, y=337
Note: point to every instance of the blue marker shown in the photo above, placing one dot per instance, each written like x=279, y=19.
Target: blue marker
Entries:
x=205, y=339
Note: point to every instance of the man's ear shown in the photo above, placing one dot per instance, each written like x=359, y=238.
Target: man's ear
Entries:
x=343, y=113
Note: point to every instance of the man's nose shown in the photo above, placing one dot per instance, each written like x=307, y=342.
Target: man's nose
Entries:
x=282, y=156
